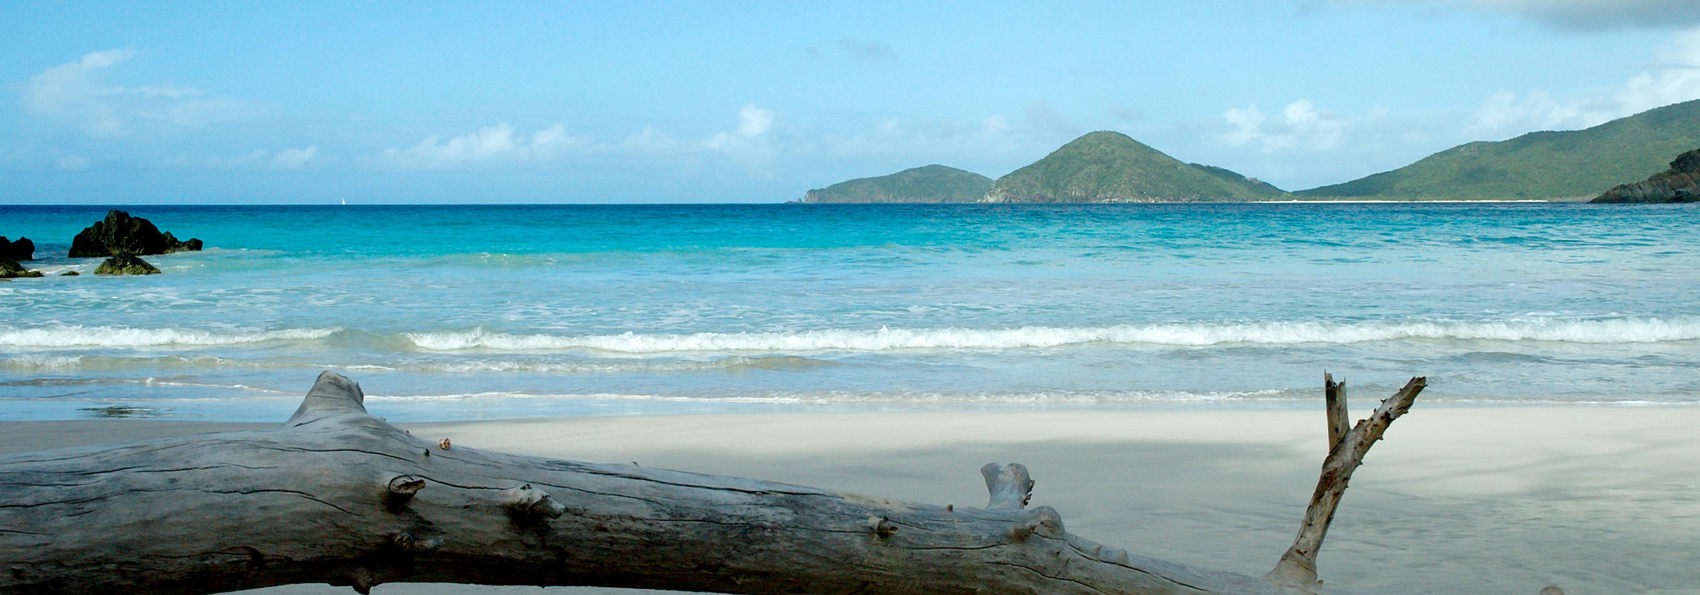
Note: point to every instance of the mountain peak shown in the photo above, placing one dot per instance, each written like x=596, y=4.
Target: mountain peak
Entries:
x=1108, y=166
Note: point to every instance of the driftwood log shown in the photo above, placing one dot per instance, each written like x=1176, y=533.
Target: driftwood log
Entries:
x=338, y=496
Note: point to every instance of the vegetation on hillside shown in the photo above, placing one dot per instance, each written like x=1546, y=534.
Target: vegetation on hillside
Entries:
x=1110, y=167
x=932, y=183
x=1539, y=165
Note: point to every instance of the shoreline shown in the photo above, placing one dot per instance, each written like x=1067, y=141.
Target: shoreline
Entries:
x=331, y=205
x=1461, y=499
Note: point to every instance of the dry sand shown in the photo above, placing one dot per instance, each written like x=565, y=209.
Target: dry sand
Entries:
x=1459, y=500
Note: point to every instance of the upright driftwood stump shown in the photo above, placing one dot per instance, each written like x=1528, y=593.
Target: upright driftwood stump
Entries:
x=338, y=496
x=1347, y=447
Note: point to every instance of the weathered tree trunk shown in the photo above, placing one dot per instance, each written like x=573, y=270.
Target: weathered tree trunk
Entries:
x=338, y=496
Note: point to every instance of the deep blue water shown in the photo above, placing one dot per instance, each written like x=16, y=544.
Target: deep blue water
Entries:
x=502, y=311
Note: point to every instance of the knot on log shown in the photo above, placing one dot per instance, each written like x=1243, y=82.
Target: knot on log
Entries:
x=1043, y=520
x=882, y=527
x=527, y=502
x=1009, y=485
x=399, y=489
x=407, y=541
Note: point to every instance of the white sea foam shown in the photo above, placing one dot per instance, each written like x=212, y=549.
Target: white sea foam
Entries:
x=41, y=362
x=611, y=365
x=1612, y=331
x=126, y=337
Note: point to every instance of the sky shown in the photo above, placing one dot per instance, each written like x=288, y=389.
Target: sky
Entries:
x=707, y=101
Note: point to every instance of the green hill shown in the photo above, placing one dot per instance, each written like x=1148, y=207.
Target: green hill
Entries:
x=931, y=183
x=1539, y=165
x=1110, y=167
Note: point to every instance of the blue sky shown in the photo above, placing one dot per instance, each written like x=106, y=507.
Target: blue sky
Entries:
x=380, y=102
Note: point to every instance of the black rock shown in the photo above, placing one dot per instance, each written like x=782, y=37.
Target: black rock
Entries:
x=21, y=250
x=1680, y=183
x=119, y=233
x=172, y=244
x=125, y=264
x=10, y=269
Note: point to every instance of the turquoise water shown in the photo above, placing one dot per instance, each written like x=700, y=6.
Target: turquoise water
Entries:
x=453, y=312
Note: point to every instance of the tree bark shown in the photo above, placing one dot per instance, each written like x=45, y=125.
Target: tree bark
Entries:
x=338, y=496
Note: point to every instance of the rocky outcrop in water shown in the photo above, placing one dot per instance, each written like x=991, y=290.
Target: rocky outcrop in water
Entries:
x=11, y=252
x=20, y=250
x=119, y=233
x=10, y=269
x=125, y=264
x=1680, y=183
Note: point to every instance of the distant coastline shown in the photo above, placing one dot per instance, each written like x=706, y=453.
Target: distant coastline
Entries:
x=1284, y=201
x=1359, y=201
x=1109, y=167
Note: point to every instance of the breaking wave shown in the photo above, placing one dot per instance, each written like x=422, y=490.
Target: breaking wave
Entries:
x=126, y=337
x=1613, y=331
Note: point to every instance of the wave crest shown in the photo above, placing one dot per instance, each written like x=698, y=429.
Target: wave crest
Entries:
x=126, y=337
x=1614, y=331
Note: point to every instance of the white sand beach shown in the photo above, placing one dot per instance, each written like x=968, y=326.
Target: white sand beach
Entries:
x=1477, y=500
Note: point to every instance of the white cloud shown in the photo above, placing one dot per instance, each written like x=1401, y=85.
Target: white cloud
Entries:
x=750, y=141
x=751, y=144
x=484, y=144
x=285, y=160
x=1506, y=113
x=78, y=92
x=1676, y=79
x=1247, y=125
x=498, y=144
x=294, y=158
x=650, y=140
x=1298, y=126
x=554, y=141
x=101, y=59
x=754, y=122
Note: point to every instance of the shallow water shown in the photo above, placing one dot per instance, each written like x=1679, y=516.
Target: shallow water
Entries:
x=445, y=312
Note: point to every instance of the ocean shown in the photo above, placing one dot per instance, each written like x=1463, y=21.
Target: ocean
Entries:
x=484, y=312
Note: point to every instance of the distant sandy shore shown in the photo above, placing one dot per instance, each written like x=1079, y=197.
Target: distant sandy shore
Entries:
x=1463, y=500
